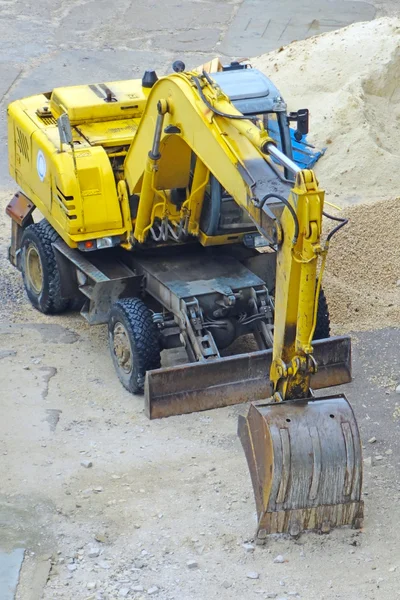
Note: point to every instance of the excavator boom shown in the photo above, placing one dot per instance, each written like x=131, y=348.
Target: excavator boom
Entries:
x=177, y=122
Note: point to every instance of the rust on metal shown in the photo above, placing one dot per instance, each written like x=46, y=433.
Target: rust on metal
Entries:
x=235, y=379
x=20, y=209
x=305, y=463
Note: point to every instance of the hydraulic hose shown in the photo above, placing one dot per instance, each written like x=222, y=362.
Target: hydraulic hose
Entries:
x=211, y=107
x=289, y=207
x=342, y=222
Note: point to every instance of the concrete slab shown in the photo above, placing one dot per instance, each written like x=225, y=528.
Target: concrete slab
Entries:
x=33, y=577
x=182, y=41
x=76, y=67
x=10, y=566
x=93, y=23
x=136, y=25
x=33, y=12
x=23, y=41
x=175, y=15
x=260, y=26
x=9, y=73
x=372, y=391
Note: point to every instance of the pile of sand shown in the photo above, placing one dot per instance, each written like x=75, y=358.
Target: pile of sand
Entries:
x=350, y=81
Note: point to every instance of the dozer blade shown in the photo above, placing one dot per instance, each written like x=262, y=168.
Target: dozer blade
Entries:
x=235, y=379
x=305, y=462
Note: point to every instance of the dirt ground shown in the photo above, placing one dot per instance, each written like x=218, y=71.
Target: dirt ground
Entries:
x=161, y=494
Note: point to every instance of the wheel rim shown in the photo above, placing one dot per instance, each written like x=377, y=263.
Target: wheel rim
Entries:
x=122, y=348
x=33, y=269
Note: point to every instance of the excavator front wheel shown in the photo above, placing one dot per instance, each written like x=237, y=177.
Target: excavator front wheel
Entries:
x=134, y=342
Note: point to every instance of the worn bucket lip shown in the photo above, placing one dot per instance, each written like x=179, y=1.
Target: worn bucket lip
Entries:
x=267, y=402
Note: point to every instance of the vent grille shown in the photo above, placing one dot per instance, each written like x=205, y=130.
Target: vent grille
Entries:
x=50, y=120
x=67, y=204
x=22, y=143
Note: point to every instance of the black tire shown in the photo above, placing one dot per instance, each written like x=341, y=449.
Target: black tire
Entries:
x=43, y=289
x=76, y=303
x=134, y=342
x=322, y=329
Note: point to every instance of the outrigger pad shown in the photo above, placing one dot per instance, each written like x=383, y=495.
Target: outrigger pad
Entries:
x=235, y=379
x=305, y=462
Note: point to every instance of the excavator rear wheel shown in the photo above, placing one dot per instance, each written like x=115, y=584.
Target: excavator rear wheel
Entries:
x=322, y=329
x=40, y=270
x=134, y=342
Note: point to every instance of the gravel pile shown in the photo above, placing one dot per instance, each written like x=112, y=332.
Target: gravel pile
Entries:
x=362, y=277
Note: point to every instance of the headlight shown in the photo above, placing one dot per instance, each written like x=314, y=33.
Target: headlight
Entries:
x=100, y=243
x=105, y=242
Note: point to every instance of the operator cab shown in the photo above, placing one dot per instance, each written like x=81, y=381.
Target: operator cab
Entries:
x=255, y=96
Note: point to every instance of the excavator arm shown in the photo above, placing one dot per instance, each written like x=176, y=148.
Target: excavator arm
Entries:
x=303, y=452
x=297, y=290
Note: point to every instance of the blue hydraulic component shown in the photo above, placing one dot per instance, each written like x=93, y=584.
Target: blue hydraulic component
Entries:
x=304, y=155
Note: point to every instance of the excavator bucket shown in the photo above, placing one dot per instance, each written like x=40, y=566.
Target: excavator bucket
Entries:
x=235, y=379
x=305, y=462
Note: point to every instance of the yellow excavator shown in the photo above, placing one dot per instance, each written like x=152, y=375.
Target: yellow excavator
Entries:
x=172, y=215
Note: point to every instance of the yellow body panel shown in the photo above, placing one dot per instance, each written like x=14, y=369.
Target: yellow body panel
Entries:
x=80, y=206
x=109, y=133
x=116, y=120
x=87, y=103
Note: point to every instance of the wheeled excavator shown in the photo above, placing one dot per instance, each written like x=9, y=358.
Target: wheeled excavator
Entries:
x=173, y=215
